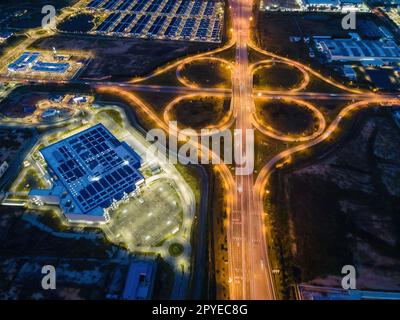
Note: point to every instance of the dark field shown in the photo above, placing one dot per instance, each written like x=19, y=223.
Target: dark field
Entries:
x=277, y=76
x=87, y=267
x=123, y=58
x=201, y=112
x=344, y=209
x=207, y=73
x=287, y=118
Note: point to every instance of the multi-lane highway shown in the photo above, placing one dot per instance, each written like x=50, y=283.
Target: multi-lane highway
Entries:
x=249, y=267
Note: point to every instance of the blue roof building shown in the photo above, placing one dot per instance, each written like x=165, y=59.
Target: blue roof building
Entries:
x=52, y=67
x=25, y=60
x=91, y=171
x=139, y=283
x=28, y=61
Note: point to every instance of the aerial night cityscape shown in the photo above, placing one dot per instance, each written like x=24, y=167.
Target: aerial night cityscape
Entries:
x=200, y=150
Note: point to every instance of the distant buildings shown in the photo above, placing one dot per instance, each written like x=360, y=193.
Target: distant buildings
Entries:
x=371, y=51
x=56, y=98
x=29, y=61
x=334, y=5
x=313, y=5
x=49, y=113
x=91, y=171
x=24, y=61
x=139, y=284
x=310, y=292
x=389, y=2
x=3, y=167
x=321, y=4
x=5, y=35
x=79, y=100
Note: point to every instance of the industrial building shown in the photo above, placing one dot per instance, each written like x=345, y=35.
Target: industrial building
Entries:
x=139, y=284
x=334, y=5
x=310, y=292
x=28, y=61
x=49, y=113
x=359, y=50
x=24, y=61
x=4, y=36
x=91, y=172
x=314, y=5
x=317, y=4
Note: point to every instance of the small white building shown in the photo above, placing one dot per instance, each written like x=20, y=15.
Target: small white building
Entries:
x=4, y=35
x=3, y=168
x=51, y=112
x=79, y=100
x=321, y=4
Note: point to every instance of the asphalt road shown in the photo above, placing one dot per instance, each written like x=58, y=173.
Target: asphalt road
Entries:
x=250, y=277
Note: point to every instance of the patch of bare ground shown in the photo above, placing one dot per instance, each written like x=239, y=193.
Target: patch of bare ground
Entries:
x=121, y=59
x=344, y=208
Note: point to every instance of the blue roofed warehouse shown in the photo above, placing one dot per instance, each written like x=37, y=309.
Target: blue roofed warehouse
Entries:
x=90, y=170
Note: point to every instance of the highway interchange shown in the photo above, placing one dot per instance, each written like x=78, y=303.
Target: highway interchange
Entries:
x=250, y=274
x=249, y=266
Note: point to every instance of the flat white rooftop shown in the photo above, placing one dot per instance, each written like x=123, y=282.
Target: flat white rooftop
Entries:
x=353, y=50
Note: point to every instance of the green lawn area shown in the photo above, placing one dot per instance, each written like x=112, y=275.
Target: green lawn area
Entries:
x=175, y=249
x=31, y=180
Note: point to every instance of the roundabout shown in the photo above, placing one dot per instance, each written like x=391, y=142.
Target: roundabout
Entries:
x=175, y=249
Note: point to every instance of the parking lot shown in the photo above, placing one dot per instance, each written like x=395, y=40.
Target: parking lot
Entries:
x=155, y=214
x=189, y=20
